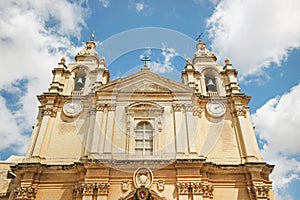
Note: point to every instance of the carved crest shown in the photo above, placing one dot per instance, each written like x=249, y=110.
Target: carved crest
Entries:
x=142, y=177
x=142, y=193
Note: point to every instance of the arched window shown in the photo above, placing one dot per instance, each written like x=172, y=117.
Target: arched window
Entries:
x=144, y=138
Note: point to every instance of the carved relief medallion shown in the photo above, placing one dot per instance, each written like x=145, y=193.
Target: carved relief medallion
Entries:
x=72, y=108
x=143, y=177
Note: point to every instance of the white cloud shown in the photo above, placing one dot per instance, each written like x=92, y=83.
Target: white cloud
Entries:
x=254, y=33
x=10, y=133
x=164, y=66
x=33, y=36
x=105, y=3
x=139, y=6
x=277, y=125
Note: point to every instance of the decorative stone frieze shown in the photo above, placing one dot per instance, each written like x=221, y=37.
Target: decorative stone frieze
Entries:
x=259, y=191
x=105, y=107
x=197, y=188
x=183, y=187
x=102, y=188
x=100, y=107
x=25, y=193
x=88, y=189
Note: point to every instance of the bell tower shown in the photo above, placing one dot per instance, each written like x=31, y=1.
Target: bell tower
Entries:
x=70, y=85
x=78, y=78
x=218, y=88
x=207, y=77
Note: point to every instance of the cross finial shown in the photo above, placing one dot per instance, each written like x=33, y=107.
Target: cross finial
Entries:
x=199, y=37
x=145, y=59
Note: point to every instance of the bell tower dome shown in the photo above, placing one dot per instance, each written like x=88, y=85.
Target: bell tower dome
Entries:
x=207, y=77
x=79, y=78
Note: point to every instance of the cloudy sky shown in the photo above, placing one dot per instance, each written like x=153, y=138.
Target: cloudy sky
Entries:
x=261, y=38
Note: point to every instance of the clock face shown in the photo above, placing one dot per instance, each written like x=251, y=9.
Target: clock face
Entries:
x=72, y=108
x=216, y=108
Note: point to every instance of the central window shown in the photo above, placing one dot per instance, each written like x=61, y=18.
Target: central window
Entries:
x=144, y=138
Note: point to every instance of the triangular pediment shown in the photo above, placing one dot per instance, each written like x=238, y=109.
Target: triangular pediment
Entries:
x=145, y=81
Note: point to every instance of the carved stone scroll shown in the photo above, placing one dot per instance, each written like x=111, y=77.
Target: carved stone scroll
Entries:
x=25, y=193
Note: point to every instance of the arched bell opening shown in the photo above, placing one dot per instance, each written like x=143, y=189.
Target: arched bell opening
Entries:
x=79, y=80
x=212, y=82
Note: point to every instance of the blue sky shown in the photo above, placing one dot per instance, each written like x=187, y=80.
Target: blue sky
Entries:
x=260, y=37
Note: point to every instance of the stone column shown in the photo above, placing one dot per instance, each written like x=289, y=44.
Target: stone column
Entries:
x=95, y=135
x=109, y=129
x=246, y=135
x=180, y=129
x=190, y=129
x=89, y=136
x=45, y=125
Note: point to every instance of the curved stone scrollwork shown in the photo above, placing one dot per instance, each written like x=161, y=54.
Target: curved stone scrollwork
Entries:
x=259, y=191
x=88, y=189
x=197, y=112
x=197, y=188
x=189, y=108
x=49, y=112
x=105, y=107
x=177, y=107
x=27, y=193
x=239, y=112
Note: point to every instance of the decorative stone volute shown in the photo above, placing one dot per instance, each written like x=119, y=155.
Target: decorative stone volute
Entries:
x=27, y=193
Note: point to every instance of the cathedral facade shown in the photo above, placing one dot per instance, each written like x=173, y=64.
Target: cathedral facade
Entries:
x=143, y=136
